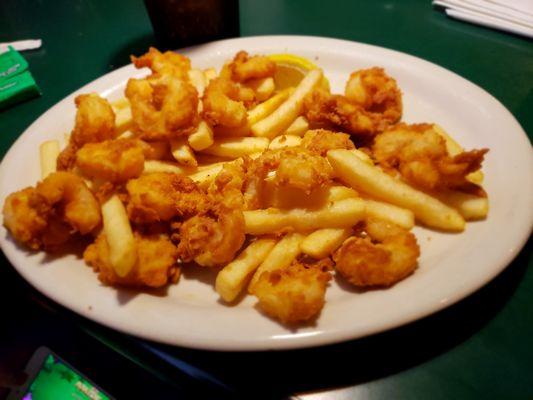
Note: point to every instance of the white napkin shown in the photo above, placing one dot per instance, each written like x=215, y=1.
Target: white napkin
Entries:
x=21, y=45
x=515, y=17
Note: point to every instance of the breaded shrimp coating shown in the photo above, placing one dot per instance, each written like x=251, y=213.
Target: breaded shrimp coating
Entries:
x=213, y=238
x=164, y=105
x=294, y=167
x=302, y=171
x=216, y=233
x=320, y=141
x=167, y=63
x=162, y=196
x=335, y=112
x=23, y=218
x=225, y=103
x=70, y=197
x=112, y=160
x=48, y=215
x=164, y=108
x=376, y=92
x=243, y=67
x=296, y=294
x=419, y=153
x=156, y=262
x=228, y=184
x=95, y=122
x=386, y=255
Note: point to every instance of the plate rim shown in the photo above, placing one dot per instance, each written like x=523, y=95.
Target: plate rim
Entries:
x=296, y=342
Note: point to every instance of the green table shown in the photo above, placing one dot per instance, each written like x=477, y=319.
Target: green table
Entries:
x=481, y=347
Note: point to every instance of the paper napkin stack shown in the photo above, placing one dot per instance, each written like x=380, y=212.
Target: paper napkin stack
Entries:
x=515, y=16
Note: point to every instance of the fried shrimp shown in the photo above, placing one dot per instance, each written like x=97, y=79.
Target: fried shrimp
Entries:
x=295, y=294
x=70, y=197
x=294, y=167
x=164, y=108
x=112, y=160
x=376, y=92
x=24, y=219
x=320, y=141
x=225, y=103
x=419, y=154
x=324, y=110
x=386, y=255
x=172, y=181
x=162, y=196
x=243, y=67
x=156, y=262
x=215, y=234
x=212, y=238
x=95, y=122
x=228, y=184
x=167, y=63
x=48, y=215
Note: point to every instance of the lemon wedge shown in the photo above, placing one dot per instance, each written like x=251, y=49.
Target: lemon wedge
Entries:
x=291, y=69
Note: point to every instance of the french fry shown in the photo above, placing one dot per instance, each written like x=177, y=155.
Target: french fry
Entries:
x=284, y=141
x=323, y=242
x=151, y=166
x=205, y=176
x=262, y=110
x=123, y=120
x=452, y=146
x=206, y=160
x=362, y=156
x=387, y=212
x=340, y=214
x=210, y=73
x=211, y=166
x=471, y=207
x=182, y=152
x=127, y=134
x=455, y=148
x=119, y=236
x=120, y=103
x=234, y=276
x=236, y=147
x=373, y=181
x=276, y=196
x=202, y=137
x=286, y=113
x=198, y=80
x=48, y=151
x=256, y=114
x=339, y=192
x=281, y=256
x=263, y=88
x=299, y=126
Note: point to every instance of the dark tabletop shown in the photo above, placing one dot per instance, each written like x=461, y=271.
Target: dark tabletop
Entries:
x=480, y=347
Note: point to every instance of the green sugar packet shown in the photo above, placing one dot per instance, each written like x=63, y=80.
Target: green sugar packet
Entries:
x=11, y=64
x=16, y=82
x=18, y=88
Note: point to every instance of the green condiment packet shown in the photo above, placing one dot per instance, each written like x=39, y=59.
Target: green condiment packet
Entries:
x=17, y=88
x=11, y=64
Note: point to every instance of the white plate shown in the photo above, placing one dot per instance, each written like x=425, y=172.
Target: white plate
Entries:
x=451, y=265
